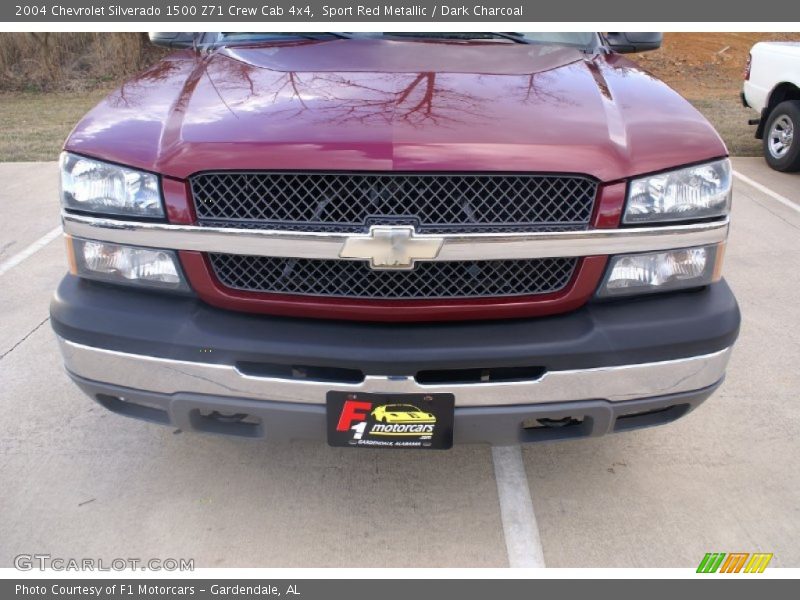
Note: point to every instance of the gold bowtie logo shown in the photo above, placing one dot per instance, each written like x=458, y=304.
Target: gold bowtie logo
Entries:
x=391, y=247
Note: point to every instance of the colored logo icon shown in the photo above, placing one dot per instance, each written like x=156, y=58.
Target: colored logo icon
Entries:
x=734, y=562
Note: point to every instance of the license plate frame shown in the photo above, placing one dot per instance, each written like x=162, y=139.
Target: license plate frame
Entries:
x=416, y=421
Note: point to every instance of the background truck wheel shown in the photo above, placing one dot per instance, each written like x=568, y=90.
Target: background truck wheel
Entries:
x=781, y=145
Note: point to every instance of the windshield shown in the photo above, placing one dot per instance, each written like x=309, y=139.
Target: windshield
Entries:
x=576, y=39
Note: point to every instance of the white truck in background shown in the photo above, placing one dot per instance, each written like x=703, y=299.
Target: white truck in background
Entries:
x=772, y=87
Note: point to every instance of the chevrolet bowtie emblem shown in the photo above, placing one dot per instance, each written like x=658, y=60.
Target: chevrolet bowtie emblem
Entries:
x=391, y=247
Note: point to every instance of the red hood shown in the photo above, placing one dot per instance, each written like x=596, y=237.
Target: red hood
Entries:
x=397, y=105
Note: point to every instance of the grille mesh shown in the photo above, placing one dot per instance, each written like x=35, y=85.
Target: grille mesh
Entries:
x=355, y=279
x=433, y=203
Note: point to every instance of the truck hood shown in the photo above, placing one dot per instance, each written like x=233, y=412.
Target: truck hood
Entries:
x=397, y=105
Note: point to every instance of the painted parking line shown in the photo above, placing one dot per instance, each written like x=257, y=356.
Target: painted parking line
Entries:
x=30, y=250
x=765, y=190
x=523, y=544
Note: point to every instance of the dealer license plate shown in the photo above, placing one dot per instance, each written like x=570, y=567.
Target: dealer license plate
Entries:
x=418, y=421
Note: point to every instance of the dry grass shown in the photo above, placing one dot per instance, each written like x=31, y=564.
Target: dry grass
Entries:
x=35, y=125
x=49, y=80
x=71, y=61
x=729, y=117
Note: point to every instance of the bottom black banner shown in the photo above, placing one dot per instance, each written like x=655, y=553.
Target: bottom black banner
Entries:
x=389, y=589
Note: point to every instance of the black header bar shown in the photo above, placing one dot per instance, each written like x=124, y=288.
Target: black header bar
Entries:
x=400, y=11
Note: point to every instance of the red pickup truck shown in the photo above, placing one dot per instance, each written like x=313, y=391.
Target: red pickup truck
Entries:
x=397, y=240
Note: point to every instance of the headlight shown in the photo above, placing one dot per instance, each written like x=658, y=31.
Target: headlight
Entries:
x=129, y=265
x=97, y=187
x=662, y=271
x=698, y=192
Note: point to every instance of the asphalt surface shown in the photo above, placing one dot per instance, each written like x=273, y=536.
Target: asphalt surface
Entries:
x=77, y=481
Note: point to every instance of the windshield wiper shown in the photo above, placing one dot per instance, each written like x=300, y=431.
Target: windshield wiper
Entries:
x=321, y=35
x=238, y=38
x=446, y=35
x=514, y=37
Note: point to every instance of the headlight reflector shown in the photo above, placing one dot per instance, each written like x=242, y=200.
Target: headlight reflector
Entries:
x=93, y=186
x=698, y=192
x=129, y=265
x=662, y=271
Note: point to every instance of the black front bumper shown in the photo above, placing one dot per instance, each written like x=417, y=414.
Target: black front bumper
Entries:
x=647, y=329
x=631, y=332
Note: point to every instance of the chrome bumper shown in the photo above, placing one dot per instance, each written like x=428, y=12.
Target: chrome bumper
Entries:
x=451, y=247
x=614, y=384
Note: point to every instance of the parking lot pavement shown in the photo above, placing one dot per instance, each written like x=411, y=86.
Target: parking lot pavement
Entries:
x=785, y=184
x=30, y=208
x=79, y=481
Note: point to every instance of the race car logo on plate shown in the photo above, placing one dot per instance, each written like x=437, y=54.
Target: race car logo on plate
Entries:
x=394, y=420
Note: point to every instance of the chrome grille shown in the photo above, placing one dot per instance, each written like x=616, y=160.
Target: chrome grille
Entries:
x=355, y=279
x=433, y=203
